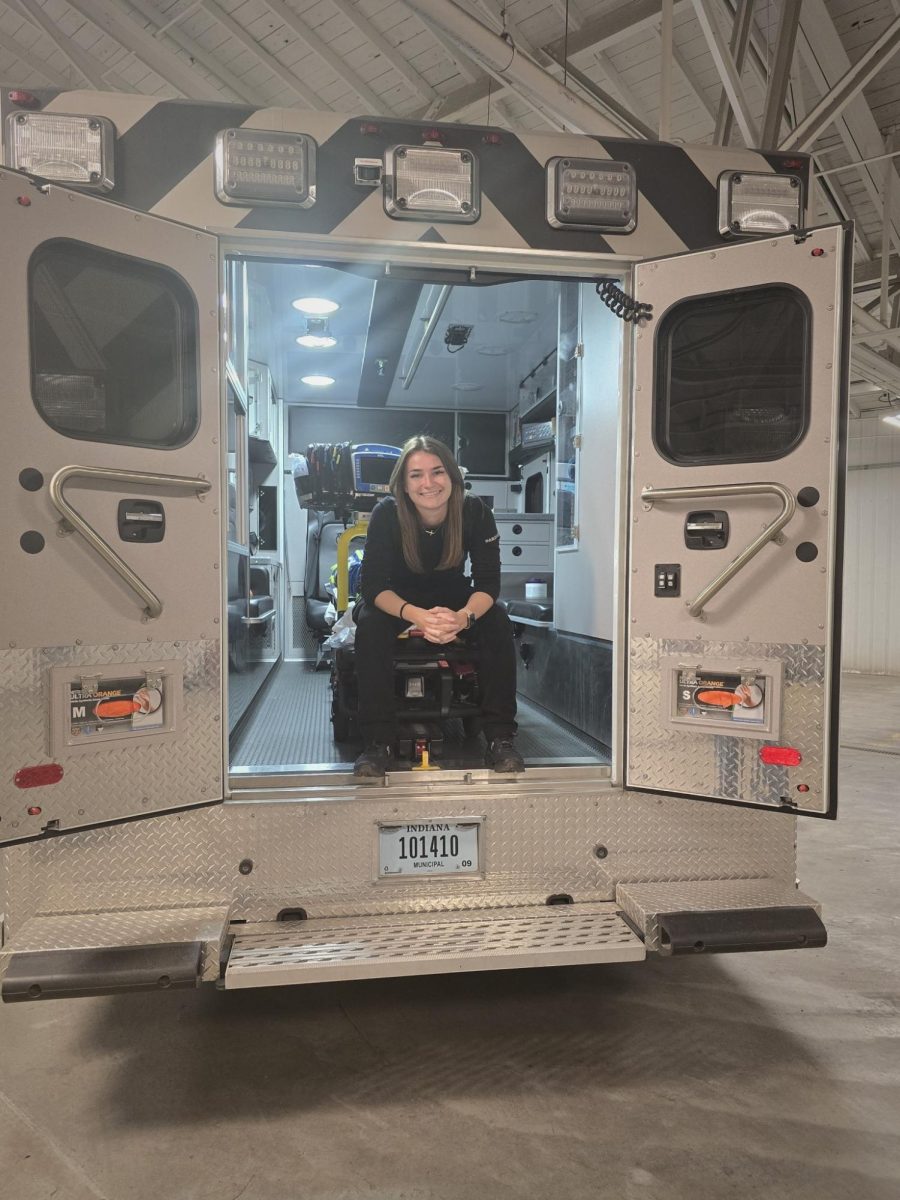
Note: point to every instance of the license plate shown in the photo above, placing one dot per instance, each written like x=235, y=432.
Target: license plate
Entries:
x=428, y=848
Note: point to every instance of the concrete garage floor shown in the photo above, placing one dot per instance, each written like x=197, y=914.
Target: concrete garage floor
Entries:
x=767, y=1075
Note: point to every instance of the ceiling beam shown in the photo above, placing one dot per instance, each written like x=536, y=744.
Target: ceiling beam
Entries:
x=728, y=72
x=240, y=34
x=740, y=39
x=503, y=62
x=693, y=82
x=175, y=70
x=85, y=64
x=390, y=53
x=780, y=74
x=299, y=27
x=626, y=95
x=596, y=34
x=35, y=63
x=845, y=90
x=214, y=65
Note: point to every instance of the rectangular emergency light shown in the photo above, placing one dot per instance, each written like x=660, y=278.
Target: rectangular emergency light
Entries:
x=264, y=166
x=61, y=147
x=591, y=193
x=755, y=202
x=431, y=183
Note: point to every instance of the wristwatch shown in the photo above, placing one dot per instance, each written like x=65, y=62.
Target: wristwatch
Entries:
x=470, y=618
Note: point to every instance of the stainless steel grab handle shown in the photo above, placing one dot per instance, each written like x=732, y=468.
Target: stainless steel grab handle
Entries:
x=153, y=604
x=650, y=495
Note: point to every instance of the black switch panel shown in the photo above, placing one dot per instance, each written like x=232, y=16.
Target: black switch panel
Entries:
x=667, y=579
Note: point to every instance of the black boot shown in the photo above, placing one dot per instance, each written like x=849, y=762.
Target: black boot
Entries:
x=374, y=761
x=503, y=756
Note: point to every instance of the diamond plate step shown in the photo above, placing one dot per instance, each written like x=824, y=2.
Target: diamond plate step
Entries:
x=642, y=903
x=126, y=929
x=328, y=949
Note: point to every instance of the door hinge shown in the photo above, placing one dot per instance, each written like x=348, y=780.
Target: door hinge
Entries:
x=576, y=532
x=576, y=441
x=579, y=350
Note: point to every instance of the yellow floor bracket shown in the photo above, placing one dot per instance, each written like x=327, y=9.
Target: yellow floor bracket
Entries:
x=425, y=764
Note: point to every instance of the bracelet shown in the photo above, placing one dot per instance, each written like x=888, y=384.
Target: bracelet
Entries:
x=400, y=613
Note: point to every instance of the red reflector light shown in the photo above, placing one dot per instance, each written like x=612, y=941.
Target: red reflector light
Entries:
x=433, y=135
x=30, y=777
x=35, y=811
x=25, y=201
x=780, y=756
x=802, y=787
x=23, y=99
x=818, y=252
x=369, y=127
x=493, y=139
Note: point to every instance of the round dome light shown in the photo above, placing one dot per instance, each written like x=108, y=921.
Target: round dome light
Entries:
x=315, y=306
x=316, y=341
x=317, y=380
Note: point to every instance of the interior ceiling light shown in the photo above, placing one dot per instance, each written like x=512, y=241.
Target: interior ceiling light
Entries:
x=518, y=316
x=317, y=380
x=317, y=336
x=315, y=306
x=492, y=351
x=467, y=387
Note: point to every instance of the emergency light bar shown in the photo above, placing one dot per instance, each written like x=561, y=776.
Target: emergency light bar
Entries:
x=755, y=202
x=263, y=166
x=591, y=193
x=66, y=149
x=427, y=183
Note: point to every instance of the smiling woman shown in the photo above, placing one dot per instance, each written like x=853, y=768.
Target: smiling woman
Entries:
x=419, y=539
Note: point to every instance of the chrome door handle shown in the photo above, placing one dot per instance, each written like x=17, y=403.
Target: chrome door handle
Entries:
x=152, y=603
x=651, y=495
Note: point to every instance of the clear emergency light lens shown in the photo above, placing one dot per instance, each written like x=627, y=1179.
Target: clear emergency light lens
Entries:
x=591, y=193
x=262, y=166
x=431, y=183
x=758, y=203
x=62, y=148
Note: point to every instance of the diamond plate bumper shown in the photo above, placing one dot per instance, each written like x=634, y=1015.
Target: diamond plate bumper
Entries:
x=328, y=949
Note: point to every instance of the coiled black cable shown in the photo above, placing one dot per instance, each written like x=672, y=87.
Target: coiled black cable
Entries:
x=623, y=306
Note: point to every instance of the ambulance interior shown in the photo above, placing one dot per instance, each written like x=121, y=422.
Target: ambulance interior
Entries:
x=521, y=378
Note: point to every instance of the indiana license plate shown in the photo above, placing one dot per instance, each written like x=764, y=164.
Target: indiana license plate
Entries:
x=428, y=848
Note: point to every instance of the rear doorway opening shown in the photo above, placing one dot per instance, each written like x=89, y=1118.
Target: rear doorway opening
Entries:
x=522, y=378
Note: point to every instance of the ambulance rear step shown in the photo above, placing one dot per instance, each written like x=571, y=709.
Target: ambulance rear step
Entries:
x=327, y=949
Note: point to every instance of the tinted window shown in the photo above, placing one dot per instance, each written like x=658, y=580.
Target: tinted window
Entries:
x=113, y=346
x=732, y=376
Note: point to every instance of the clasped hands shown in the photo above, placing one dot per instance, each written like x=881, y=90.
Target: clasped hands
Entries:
x=438, y=625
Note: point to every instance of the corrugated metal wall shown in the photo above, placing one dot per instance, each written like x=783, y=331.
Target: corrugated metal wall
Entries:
x=871, y=637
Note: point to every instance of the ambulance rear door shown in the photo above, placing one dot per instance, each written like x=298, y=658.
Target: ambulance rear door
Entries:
x=735, y=523
x=111, y=543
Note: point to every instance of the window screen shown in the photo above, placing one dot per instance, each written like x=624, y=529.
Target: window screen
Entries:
x=113, y=346
x=732, y=380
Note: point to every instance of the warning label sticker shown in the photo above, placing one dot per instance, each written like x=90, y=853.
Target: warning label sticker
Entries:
x=114, y=705
x=730, y=699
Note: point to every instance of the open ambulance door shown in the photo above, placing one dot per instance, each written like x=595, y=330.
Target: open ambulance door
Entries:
x=735, y=514
x=112, y=597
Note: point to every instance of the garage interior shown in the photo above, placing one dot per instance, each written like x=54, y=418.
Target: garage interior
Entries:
x=707, y=1077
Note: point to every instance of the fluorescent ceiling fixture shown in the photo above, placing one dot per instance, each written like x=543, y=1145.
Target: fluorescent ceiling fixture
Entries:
x=492, y=351
x=893, y=419
x=317, y=380
x=518, y=316
x=316, y=341
x=315, y=306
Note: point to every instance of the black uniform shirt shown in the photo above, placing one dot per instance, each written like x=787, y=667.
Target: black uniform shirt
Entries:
x=384, y=567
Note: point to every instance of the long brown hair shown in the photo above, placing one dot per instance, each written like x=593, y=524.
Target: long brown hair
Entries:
x=410, y=523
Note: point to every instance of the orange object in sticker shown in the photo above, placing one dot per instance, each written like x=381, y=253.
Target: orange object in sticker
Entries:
x=116, y=708
x=719, y=699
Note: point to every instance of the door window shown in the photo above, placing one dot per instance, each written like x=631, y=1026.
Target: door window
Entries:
x=113, y=347
x=732, y=378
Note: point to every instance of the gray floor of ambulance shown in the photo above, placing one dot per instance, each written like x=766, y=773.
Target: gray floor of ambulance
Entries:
x=767, y=1075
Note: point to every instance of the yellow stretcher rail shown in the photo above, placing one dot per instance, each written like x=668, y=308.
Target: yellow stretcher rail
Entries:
x=359, y=528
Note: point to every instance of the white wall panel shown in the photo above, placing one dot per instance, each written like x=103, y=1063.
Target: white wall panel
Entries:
x=871, y=619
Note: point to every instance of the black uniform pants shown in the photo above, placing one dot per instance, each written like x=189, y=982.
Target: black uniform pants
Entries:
x=376, y=638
